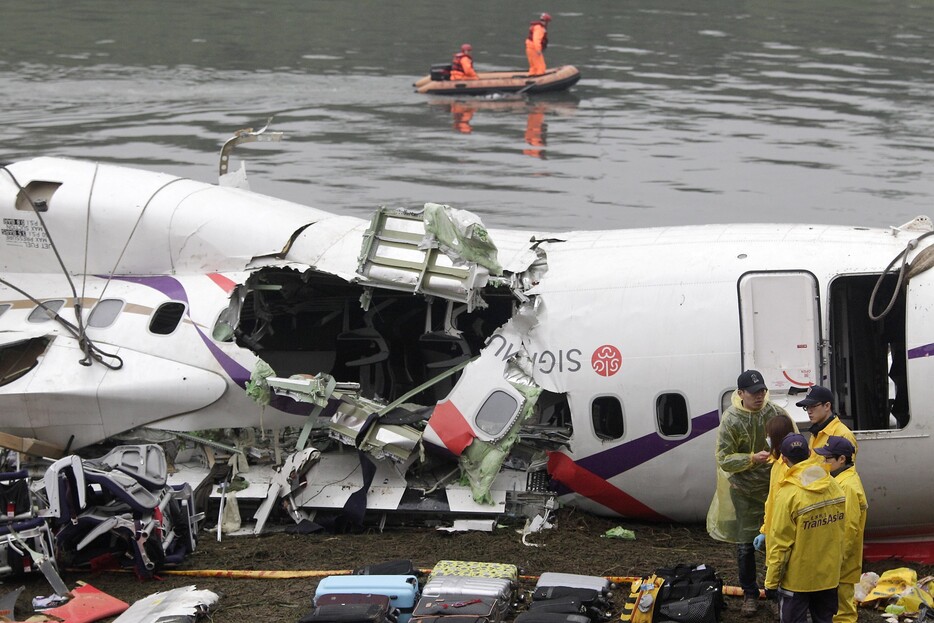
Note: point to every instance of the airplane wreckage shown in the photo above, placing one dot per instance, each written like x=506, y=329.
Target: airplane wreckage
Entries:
x=424, y=364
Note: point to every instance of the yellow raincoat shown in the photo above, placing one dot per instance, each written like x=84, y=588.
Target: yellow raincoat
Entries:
x=855, y=525
x=838, y=428
x=804, y=544
x=779, y=469
x=736, y=511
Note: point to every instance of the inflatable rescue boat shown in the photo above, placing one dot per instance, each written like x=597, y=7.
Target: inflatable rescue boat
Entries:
x=438, y=82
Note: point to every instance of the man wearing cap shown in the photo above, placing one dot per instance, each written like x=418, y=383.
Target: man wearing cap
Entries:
x=838, y=455
x=804, y=544
x=536, y=43
x=819, y=406
x=743, y=470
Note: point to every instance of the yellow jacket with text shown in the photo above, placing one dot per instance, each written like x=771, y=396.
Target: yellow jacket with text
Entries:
x=804, y=544
x=856, y=507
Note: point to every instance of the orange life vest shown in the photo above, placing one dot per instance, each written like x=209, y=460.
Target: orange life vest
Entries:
x=456, y=62
x=544, y=26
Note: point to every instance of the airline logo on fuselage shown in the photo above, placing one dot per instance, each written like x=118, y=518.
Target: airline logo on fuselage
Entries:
x=605, y=361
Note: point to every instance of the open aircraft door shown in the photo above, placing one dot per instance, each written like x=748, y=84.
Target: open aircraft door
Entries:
x=780, y=330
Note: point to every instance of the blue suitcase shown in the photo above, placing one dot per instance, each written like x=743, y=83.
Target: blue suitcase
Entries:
x=402, y=590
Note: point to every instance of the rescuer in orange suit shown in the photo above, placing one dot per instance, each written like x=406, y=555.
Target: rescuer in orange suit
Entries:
x=462, y=64
x=536, y=43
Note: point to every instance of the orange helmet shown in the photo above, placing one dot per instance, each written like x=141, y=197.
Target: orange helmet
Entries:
x=545, y=17
x=466, y=47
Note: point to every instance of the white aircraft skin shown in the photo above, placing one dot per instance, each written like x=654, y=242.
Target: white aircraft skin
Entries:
x=637, y=316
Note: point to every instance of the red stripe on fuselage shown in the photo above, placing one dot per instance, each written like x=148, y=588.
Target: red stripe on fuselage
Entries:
x=589, y=485
x=227, y=285
x=449, y=424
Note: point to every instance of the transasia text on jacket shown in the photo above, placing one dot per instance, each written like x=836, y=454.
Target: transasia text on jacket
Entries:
x=804, y=544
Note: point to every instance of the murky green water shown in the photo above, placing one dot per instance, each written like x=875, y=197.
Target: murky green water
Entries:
x=688, y=112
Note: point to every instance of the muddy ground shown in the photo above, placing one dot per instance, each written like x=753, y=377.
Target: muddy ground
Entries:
x=575, y=545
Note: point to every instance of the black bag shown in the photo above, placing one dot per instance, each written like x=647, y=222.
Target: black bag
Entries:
x=399, y=566
x=561, y=605
x=531, y=616
x=347, y=613
x=689, y=594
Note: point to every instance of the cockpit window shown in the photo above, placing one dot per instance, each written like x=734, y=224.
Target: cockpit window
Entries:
x=165, y=319
x=46, y=311
x=105, y=313
x=4, y=307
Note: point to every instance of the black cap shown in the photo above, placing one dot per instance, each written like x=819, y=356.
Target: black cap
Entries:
x=816, y=395
x=750, y=381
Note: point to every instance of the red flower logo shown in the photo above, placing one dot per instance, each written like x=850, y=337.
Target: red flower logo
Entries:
x=606, y=360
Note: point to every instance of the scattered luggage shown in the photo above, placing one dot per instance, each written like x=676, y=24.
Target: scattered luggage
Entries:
x=402, y=590
x=689, y=594
x=352, y=611
x=399, y=566
x=475, y=569
x=573, y=580
x=530, y=616
x=456, y=586
x=459, y=609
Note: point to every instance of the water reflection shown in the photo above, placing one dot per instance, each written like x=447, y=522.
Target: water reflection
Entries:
x=536, y=110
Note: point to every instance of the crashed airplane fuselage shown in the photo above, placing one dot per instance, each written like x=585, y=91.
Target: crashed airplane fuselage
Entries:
x=592, y=363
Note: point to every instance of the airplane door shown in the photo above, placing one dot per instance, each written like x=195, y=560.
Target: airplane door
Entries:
x=780, y=329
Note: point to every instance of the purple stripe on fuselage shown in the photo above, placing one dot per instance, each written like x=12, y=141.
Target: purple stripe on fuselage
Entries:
x=624, y=457
x=921, y=351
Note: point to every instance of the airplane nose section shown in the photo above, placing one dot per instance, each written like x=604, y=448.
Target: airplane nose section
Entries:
x=150, y=388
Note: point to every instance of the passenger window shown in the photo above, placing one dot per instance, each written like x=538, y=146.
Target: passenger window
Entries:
x=105, y=313
x=607, y=415
x=165, y=320
x=671, y=412
x=496, y=413
x=46, y=311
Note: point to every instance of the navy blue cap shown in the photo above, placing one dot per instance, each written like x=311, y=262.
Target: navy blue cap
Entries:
x=816, y=395
x=836, y=446
x=750, y=381
x=795, y=447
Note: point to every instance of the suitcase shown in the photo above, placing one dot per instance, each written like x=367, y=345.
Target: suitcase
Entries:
x=400, y=566
x=490, y=609
x=573, y=580
x=402, y=590
x=451, y=618
x=456, y=586
x=475, y=570
x=561, y=605
x=550, y=617
x=587, y=596
x=344, y=599
x=348, y=613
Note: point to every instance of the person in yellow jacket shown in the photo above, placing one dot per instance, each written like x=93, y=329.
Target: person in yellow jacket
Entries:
x=838, y=455
x=737, y=509
x=804, y=544
x=535, y=44
x=819, y=406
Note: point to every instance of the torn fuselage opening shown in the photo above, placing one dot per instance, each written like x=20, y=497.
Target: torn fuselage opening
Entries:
x=18, y=358
x=308, y=322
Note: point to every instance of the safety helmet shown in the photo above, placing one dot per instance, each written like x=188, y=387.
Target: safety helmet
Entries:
x=545, y=17
x=466, y=47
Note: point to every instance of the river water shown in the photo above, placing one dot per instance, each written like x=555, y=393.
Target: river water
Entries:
x=687, y=112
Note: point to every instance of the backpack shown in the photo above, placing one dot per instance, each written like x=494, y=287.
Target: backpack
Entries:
x=689, y=594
